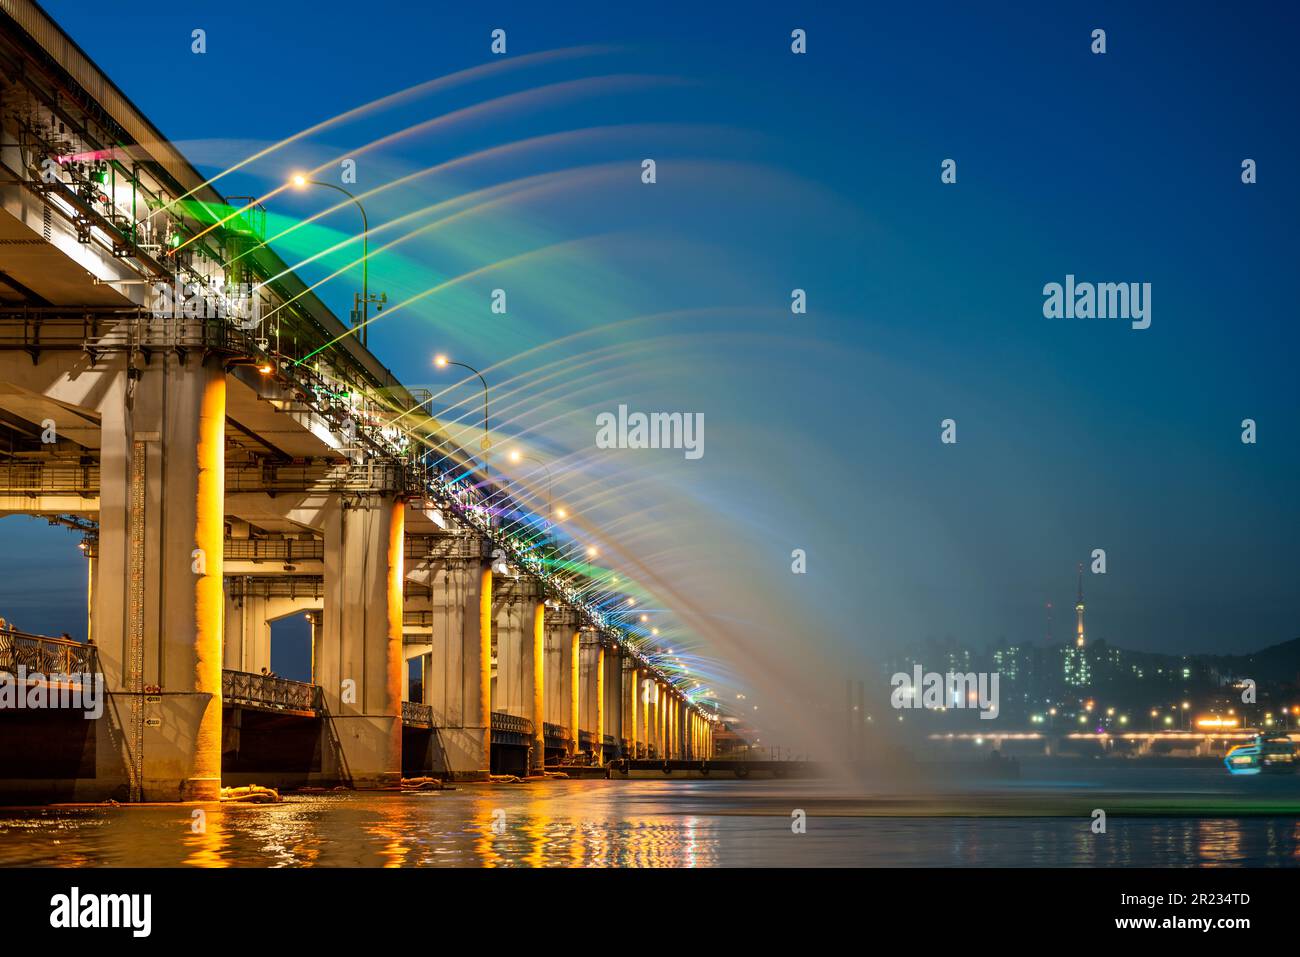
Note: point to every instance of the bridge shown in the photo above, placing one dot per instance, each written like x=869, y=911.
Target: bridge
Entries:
x=227, y=472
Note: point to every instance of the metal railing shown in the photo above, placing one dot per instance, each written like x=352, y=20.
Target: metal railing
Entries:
x=269, y=691
x=53, y=476
x=414, y=713
x=355, y=476
x=276, y=586
x=114, y=329
x=511, y=723
x=39, y=654
x=273, y=549
x=554, y=732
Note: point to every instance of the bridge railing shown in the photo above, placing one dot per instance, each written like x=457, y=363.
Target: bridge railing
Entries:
x=555, y=732
x=511, y=723
x=50, y=477
x=43, y=655
x=112, y=328
x=355, y=476
x=273, y=549
x=269, y=691
x=416, y=714
x=511, y=729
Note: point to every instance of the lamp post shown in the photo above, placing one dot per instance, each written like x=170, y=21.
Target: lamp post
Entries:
x=361, y=306
x=441, y=361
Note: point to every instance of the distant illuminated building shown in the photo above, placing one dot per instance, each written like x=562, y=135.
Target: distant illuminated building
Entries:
x=1077, y=672
x=1078, y=610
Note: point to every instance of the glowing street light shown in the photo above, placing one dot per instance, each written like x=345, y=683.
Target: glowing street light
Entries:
x=360, y=304
x=441, y=361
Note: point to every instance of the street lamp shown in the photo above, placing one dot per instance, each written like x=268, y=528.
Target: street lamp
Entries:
x=360, y=306
x=441, y=361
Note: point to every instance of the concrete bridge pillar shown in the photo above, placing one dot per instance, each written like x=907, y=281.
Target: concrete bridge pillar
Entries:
x=537, y=759
x=587, y=687
x=558, y=677
x=678, y=750
x=646, y=694
x=458, y=686
x=663, y=721
x=629, y=707
x=158, y=596
x=519, y=617
x=247, y=627
x=599, y=694
x=613, y=695
x=358, y=659
x=575, y=687
x=676, y=712
x=676, y=726
x=247, y=634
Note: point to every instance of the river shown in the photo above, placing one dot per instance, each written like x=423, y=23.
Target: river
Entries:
x=1156, y=818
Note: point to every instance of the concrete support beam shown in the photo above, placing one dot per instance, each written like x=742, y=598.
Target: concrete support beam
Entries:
x=645, y=694
x=630, y=709
x=575, y=685
x=674, y=733
x=358, y=659
x=458, y=686
x=591, y=709
x=612, y=694
x=657, y=721
x=158, y=596
x=599, y=730
x=537, y=759
x=556, y=679
x=519, y=619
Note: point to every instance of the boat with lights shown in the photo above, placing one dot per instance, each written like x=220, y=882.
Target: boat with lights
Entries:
x=1271, y=753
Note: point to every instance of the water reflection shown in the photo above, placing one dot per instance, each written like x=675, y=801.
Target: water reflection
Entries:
x=625, y=824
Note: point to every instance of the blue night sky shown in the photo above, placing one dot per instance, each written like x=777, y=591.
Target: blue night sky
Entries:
x=822, y=171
